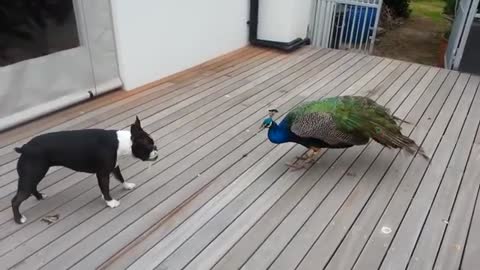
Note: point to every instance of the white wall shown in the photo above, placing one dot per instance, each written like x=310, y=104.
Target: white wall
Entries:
x=283, y=20
x=157, y=38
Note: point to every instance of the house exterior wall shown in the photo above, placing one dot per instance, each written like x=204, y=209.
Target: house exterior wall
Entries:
x=157, y=38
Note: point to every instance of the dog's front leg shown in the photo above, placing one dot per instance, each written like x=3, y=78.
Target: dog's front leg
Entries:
x=104, y=183
x=118, y=175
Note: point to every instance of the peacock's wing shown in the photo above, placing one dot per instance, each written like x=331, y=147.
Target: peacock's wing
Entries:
x=364, y=116
x=317, y=120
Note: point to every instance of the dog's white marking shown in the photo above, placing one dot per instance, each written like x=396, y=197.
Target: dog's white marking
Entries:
x=153, y=154
x=129, y=186
x=124, y=143
x=113, y=203
x=23, y=219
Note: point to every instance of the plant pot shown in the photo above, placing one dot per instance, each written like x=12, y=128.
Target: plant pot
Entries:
x=441, y=51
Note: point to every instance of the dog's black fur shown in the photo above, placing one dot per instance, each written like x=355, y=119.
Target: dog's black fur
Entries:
x=90, y=151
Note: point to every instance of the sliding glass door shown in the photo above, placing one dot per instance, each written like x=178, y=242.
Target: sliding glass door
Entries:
x=53, y=53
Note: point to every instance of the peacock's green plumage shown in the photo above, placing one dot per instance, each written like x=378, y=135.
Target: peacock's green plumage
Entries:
x=340, y=122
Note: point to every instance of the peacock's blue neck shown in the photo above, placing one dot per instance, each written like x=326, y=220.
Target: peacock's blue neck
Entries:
x=278, y=133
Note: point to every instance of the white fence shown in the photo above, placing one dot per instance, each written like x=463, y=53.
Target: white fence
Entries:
x=345, y=24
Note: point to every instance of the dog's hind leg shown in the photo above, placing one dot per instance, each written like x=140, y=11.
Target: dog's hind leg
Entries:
x=30, y=173
x=16, y=201
x=39, y=196
x=118, y=175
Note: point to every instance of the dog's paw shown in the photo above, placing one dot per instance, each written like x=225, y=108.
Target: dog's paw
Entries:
x=128, y=186
x=113, y=203
x=23, y=219
x=43, y=196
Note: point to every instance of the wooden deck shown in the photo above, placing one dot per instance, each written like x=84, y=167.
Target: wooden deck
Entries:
x=220, y=196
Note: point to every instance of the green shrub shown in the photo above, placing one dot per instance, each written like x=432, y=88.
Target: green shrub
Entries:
x=449, y=8
x=400, y=8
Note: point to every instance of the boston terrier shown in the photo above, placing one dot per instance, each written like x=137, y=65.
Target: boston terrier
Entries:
x=90, y=151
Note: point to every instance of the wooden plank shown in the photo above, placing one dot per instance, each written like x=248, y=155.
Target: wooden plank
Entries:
x=119, y=111
x=391, y=218
x=215, y=188
x=406, y=236
x=471, y=259
x=190, y=78
x=251, y=95
x=354, y=198
x=93, y=184
x=357, y=236
x=201, y=238
x=120, y=241
x=206, y=259
x=189, y=227
x=184, y=251
x=429, y=241
x=299, y=230
x=136, y=104
x=39, y=125
x=245, y=247
x=284, y=97
x=453, y=243
x=143, y=224
x=150, y=112
x=114, y=109
x=166, y=176
x=46, y=181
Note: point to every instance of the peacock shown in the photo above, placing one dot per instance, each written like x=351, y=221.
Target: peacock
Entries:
x=338, y=122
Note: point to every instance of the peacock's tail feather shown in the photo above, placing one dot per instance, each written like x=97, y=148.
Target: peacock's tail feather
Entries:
x=352, y=117
x=378, y=123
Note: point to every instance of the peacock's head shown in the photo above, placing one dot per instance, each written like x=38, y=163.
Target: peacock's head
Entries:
x=267, y=122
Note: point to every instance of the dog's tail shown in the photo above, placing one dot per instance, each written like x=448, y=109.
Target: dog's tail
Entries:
x=18, y=150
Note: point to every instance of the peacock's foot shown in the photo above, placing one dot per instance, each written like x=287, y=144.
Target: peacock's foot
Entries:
x=306, y=155
x=295, y=165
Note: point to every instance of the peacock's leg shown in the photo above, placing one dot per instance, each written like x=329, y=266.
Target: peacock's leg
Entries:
x=307, y=157
x=313, y=155
x=306, y=154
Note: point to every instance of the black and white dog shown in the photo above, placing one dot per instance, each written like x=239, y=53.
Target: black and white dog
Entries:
x=90, y=150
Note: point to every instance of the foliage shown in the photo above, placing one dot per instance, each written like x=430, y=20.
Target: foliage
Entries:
x=431, y=9
x=449, y=8
x=400, y=8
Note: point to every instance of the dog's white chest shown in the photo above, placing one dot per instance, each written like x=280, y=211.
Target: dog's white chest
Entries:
x=124, y=143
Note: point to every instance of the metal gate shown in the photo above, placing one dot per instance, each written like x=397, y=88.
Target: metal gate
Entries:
x=345, y=24
x=464, y=16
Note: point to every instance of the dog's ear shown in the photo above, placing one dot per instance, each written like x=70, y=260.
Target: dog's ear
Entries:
x=136, y=127
x=137, y=122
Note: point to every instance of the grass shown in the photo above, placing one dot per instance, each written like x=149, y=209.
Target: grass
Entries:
x=431, y=9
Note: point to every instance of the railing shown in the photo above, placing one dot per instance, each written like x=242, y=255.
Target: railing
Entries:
x=345, y=24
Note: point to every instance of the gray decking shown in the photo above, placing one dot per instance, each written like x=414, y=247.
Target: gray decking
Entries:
x=221, y=197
